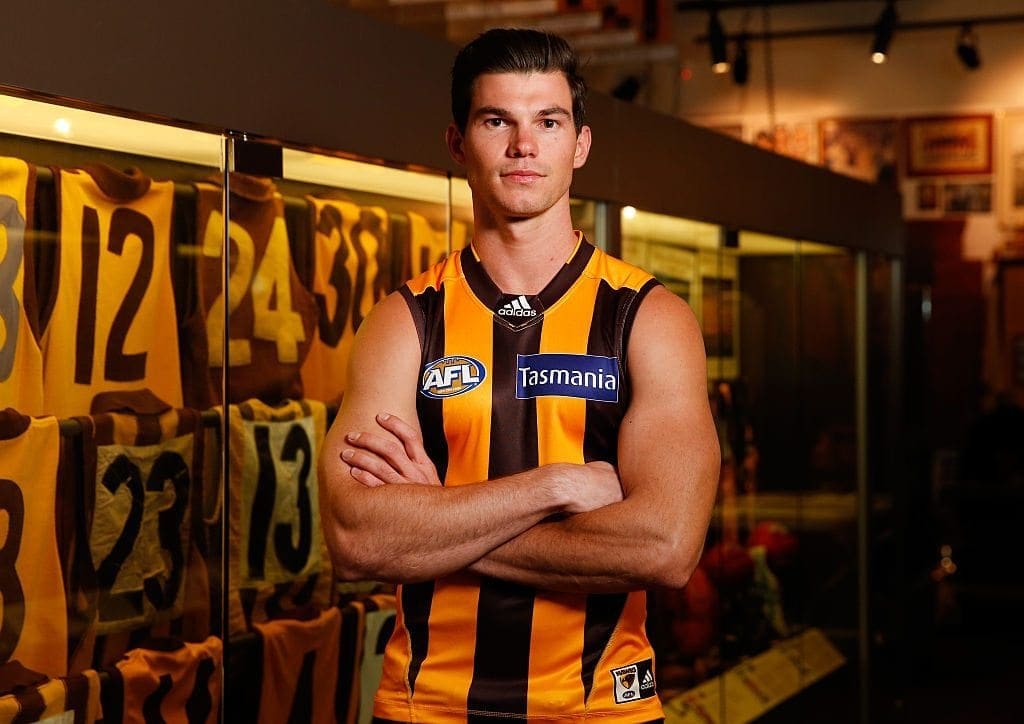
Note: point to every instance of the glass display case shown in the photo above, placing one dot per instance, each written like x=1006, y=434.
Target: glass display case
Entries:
x=779, y=599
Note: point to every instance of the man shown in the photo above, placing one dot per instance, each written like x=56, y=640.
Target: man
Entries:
x=525, y=442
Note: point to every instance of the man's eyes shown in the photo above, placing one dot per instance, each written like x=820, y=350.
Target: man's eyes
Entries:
x=495, y=122
x=549, y=123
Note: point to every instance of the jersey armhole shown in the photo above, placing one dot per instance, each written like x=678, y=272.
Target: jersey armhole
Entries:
x=418, y=317
x=629, y=316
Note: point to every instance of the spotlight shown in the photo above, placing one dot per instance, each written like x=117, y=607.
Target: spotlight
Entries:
x=883, y=32
x=741, y=63
x=716, y=39
x=967, y=48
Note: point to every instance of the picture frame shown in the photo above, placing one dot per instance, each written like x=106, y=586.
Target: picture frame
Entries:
x=949, y=145
x=967, y=197
x=1010, y=178
x=864, y=148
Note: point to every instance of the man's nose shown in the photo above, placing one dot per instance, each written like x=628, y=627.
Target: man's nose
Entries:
x=522, y=143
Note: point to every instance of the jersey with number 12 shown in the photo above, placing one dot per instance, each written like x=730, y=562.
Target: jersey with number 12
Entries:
x=114, y=325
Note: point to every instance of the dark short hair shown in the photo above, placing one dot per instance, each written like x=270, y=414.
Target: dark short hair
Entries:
x=515, y=50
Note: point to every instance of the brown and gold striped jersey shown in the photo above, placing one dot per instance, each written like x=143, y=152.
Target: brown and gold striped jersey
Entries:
x=511, y=382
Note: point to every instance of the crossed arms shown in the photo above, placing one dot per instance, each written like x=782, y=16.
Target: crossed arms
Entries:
x=559, y=527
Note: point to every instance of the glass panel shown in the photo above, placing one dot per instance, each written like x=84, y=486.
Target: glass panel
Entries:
x=773, y=606
x=112, y=490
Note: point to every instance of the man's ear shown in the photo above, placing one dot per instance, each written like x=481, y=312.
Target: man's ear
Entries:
x=582, y=147
x=453, y=139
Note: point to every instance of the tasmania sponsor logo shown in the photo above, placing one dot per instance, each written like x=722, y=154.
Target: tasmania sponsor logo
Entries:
x=450, y=376
x=634, y=682
x=590, y=377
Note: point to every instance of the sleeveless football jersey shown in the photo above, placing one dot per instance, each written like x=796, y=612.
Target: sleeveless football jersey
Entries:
x=114, y=324
x=143, y=500
x=278, y=557
x=271, y=315
x=167, y=681
x=349, y=243
x=29, y=696
x=510, y=382
x=21, y=361
x=33, y=627
x=300, y=669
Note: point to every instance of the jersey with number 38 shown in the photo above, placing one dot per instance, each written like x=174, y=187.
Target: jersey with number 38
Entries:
x=271, y=315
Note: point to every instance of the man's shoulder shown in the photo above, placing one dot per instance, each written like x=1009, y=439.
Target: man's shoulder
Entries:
x=619, y=273
x=434, y=277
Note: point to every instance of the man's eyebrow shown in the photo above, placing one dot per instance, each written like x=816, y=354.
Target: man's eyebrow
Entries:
x=504, y=112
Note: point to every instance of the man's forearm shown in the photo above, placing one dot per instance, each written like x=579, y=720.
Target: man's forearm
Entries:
x=607, y=550
x=407, y=533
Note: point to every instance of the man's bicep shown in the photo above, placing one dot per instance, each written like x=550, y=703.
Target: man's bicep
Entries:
x=382, y=374
x=668, y=447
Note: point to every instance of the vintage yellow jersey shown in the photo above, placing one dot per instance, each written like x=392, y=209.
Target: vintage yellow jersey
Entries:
x=21, y=360
x=114, y=324
x=349, y=242
x=34, y=625
x=510, y=382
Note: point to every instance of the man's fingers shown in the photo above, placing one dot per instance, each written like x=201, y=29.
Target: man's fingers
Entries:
x=371, y=464
x=406, y=433
x=392, y=452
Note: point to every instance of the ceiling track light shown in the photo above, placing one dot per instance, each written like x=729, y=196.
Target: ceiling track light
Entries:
x=716, y=41
x=967, y=47
x=741, y=62
x=884, y=28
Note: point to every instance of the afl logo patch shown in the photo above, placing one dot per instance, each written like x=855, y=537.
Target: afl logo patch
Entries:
x=451, y=376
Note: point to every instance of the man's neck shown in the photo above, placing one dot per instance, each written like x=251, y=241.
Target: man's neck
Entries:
x=522, y=256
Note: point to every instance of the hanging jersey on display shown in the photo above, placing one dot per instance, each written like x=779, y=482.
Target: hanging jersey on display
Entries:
x=349, y=243
x=148, y=467
x=511, y=382
x=29, y=696
x=300, y=668
x=278, y=557
x=114, y=324
x=33, y=628
x=165, y=681
x=21, y=361
x=271, y=315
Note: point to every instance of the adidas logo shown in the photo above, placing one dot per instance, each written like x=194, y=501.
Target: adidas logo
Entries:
x=648, y=680
x=518, y=307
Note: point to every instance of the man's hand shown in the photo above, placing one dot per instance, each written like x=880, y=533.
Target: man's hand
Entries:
x=399, y=458
x=382, y=459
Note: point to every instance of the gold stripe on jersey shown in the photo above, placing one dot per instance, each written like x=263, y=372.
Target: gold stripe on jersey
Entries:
x=473, y=649
x=278, y=558
x=114, y=323
x=300, y=669
x=76, y=697
x=348, y=244
x=21, y=361
x=34, y=622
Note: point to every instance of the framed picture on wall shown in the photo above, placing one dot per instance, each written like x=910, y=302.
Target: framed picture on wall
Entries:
x=949, y=145
x=796, y=139
x=865, y=148
x=1011, y=169
x=967, y=197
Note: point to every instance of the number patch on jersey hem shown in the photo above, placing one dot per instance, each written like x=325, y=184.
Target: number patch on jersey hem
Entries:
x=634, y=682
x=451, y=376
x=587, y=376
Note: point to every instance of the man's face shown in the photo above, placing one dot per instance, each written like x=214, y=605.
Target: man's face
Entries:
x=520, y=145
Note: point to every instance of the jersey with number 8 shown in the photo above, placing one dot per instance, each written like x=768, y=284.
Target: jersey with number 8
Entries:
x=21, y=361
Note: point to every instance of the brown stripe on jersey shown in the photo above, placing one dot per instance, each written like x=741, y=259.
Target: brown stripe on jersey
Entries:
x=86, y=328
x=76, y=698
x=149, y=430
x=567, y=275
x=501, y=666
x=112, y=694
x=427, y=308
x=31, y=706
x=416, y=602
x=603, y=612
